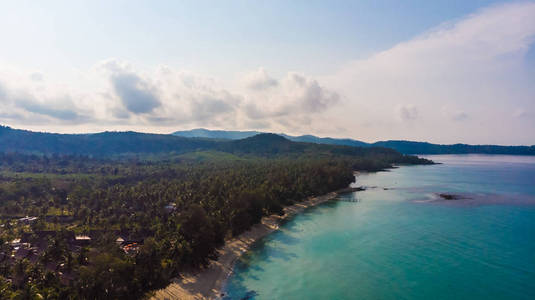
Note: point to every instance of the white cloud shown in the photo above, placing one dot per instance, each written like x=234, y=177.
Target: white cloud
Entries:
x=295, y=95
x=24, y=100
x=37, y=76
x=408, y=112
x=136, y=94
x=259, y=80
x=122, y=96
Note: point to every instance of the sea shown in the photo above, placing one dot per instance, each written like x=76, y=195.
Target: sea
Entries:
x=400, y=239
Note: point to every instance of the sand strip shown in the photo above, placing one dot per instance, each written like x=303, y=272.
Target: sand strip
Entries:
x=208, y=282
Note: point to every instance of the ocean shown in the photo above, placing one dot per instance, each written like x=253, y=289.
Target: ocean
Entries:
x=399, y=239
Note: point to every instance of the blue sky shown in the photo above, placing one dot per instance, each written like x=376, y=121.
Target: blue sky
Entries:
x=215, y=35
x=294, y=66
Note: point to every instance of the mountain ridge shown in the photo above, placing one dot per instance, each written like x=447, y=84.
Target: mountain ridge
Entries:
x=110, y=143
x=403, y=146
x=114, y=142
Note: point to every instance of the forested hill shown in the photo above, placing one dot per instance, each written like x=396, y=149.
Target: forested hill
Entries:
x=98, y=144
x=216, y=134
x=409, y=147
x=117, y=143
x=235, y=135
x=405, y=147
x=269, y=144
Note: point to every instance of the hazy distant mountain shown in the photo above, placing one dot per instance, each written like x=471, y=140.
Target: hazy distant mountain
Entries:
x=406, y=147
x=100, y=144
x=236, y=135
x=216, y=134
x=116, y=143
x=326, y=140
x=109, y=143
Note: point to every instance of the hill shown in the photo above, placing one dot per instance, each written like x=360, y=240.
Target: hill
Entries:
x=405, y=147
x=409, y=147
x=236, y=135
x=265, y=144
x=216, y=134
x=108, y=144
x=98, y=144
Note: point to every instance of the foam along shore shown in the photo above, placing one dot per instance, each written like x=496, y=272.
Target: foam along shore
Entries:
x=207, y=283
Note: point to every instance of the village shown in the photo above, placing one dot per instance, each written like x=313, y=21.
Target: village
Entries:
x=55, y=250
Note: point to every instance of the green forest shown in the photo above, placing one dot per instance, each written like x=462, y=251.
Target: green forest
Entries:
x=118, y=224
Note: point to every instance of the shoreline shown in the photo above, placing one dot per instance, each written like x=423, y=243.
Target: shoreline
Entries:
x=208, y=282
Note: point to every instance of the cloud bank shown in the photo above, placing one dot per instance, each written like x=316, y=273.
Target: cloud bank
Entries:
x=122, y=96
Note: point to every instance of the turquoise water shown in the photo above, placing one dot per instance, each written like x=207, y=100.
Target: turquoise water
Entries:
x=404, y=242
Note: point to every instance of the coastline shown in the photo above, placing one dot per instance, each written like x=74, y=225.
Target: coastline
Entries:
x=207, y=283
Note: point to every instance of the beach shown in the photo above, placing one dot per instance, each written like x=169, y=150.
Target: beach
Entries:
x=207, y=283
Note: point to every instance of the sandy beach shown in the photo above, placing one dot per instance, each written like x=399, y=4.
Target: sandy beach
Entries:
x=208, y=282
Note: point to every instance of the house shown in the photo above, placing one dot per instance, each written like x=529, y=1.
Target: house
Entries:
x=131, y=248
x=130, y=243
x=27, y=220
x=15, y=243
x=171, y=207
x=82, y=240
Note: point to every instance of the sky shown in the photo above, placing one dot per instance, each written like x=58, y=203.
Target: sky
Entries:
x=451, y=71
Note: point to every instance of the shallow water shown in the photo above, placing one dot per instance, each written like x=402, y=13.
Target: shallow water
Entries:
x=405, y=242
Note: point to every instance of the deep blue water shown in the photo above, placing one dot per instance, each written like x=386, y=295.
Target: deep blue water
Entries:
x=401, y=241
